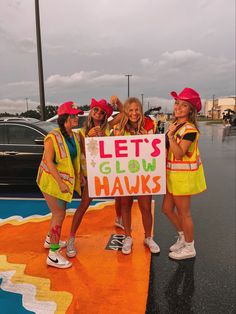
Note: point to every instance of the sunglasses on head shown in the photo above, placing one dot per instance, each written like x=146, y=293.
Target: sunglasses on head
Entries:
x=98, y=110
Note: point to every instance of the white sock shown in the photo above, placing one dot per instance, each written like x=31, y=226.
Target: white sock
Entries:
x=189, y=245
x=181, y=234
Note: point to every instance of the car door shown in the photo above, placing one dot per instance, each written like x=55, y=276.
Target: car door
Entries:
x=3, y=172
x=22, y=154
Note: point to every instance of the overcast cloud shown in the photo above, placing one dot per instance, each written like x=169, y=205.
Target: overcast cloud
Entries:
x=89, y=46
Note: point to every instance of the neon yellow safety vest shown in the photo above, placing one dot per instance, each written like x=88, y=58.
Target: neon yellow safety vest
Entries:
x=83, y=163
x=69, y=172
x=185, y=176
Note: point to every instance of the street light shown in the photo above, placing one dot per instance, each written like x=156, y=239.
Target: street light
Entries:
x=27, y=103
x=128, y=75
x=40, y=62
x=142, y=98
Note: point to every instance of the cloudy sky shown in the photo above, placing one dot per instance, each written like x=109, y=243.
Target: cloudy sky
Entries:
x=89, y=45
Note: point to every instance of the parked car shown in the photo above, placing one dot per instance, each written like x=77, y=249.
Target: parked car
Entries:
x=18, y=119
x=81, y=121
x=233, y=120
x=21, y=149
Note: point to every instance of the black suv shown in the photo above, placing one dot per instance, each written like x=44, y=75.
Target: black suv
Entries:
x=21, y=149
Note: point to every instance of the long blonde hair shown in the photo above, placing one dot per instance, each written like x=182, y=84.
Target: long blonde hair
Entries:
x=89, y=123
x=192, y=117
x=124, y=124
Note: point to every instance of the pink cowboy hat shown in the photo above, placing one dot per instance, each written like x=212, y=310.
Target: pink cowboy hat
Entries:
x=189, y=95
x=69, y=107
x=103, y=104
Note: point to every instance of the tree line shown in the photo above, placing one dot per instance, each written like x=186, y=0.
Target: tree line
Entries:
x=50, y=111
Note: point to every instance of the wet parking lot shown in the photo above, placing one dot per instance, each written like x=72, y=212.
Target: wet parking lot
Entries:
x=206, y=284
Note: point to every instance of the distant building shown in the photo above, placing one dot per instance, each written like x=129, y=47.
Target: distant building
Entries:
x=216, y=110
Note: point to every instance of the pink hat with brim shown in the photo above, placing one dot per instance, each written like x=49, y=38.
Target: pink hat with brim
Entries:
x=189, y=95
x=103, y=104
x=69, y=107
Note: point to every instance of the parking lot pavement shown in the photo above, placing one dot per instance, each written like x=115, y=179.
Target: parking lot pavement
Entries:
x=206, y=284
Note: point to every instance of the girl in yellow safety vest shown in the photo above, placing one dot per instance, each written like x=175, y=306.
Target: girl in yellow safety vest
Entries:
x=59, y=175
x=185, y=175
x=133, y=122
x=97, y=124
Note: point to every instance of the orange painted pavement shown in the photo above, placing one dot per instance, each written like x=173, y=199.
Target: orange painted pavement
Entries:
x=100, y=281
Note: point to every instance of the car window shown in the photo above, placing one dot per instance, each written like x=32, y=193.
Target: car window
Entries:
x=47, y=126
x=21, y=134
x=2, y=134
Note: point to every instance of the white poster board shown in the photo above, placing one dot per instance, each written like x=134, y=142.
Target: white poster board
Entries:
x=126, y=165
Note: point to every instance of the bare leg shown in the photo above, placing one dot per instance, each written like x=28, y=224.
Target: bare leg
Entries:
x=80, y=211
x=183, y=205
x=126, y=204
x=145, y=202
x=168, y=208
x=57, y=208
x=118, y=206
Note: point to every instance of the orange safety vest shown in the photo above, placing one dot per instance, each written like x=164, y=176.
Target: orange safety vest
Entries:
x=185, y=176
x=69, y=172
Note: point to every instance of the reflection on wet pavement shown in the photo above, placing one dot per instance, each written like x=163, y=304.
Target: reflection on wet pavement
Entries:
x=180, y=288
x=216, y=132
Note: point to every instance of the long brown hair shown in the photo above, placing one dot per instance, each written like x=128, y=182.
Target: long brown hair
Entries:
x=61, y=123
x=124, y=124
x=192, y=117
x=89, y=123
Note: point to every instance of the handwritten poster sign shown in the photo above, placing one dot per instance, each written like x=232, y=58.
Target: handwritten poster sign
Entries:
x=126, y=165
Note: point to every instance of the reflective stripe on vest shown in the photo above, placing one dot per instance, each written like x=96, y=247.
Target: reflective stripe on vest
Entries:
x=66, y=177
x=60, y=143
x=44, y=166
x=183, y=166
x=63, y=175
x=77, y=136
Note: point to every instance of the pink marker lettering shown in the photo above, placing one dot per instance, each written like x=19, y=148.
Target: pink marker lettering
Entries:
x=137, y=142
x=102, y=152
x=119, y=148
x=156, y=151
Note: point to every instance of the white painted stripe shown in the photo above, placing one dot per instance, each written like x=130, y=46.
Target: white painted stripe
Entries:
x=28, y=292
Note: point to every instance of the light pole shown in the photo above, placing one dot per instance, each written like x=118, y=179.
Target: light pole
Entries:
x=213, y=101
x=128, y=75
x=27, y=103
x=40, y=62
x=142, y=98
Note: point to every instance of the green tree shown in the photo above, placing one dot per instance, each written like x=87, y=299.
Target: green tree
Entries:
x=6, y=114
x=31, y=114
x=85, y=107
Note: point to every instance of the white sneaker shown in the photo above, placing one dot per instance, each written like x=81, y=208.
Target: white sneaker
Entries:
x=178, y=244
x=127, y=245
x=183, y=253
x=55, y=259
x=71, y=250
x=47, y=243
x=119, y=223
x=153, y=246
